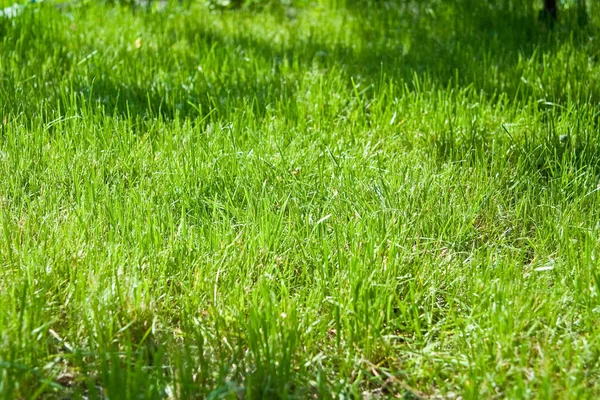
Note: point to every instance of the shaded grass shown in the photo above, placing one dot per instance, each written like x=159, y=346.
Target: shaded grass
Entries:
x=325, y=203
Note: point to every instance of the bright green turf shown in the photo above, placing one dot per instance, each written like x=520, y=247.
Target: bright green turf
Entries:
x=326, y=200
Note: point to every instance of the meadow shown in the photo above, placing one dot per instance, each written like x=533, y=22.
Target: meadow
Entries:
x=334, y=199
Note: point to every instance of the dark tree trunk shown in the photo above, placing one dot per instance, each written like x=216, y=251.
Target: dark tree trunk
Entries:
x=550, y=9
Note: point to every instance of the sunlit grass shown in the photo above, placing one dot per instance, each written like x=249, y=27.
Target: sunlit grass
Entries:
x=287, y=202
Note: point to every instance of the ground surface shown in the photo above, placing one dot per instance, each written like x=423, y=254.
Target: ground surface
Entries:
x=325, y=200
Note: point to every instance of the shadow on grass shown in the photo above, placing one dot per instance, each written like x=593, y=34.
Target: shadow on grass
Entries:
x=489, y=49
x=495, y=50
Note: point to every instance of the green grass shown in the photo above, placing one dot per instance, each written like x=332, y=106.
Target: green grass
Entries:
x=326, y=200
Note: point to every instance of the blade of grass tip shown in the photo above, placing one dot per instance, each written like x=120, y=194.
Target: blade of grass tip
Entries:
x=356, y=93
x=319, y=222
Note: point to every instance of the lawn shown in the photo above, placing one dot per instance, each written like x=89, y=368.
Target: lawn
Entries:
x=340, y=199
